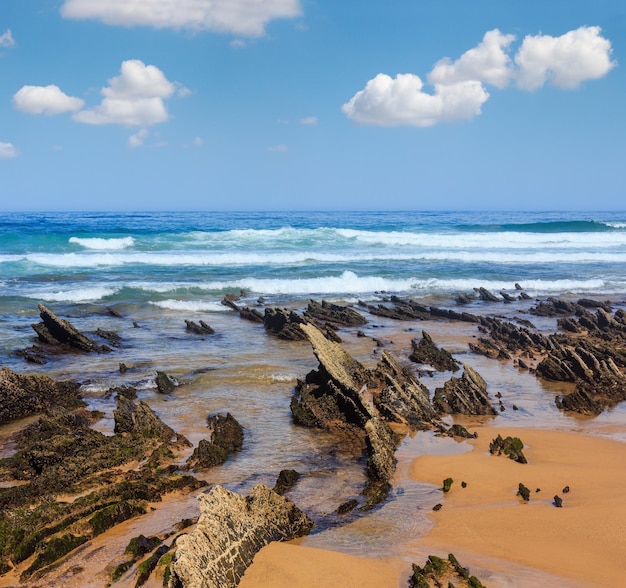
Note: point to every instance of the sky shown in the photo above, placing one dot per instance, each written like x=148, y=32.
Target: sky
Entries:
x=312, y=105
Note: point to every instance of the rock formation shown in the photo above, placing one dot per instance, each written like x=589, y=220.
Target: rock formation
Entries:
x=226, y=438
x=23, y=396
x=327, y=312
x=425, y=351
x=231, y=530
x=464, y=395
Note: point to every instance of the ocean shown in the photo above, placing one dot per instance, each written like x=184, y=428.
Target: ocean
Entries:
x=155, y=270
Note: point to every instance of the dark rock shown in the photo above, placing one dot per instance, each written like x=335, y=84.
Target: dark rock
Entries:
x=511, y=447
x=54, y=331
x=347, y=506
x=251, y=314
x=518, y=287
x=286, y=480
x=438, y=571
x=425, y=351
x=139, y=418
x=230, y=531
x=111, y=336
x=199, y=329
x=460, y=431
x=463, y=299
x=334, y=313
x=486, y=295
x=558, y=501
x=226, y=438
x=523, y=492
x=113, y=312
x=26, y=395
x=447, y=484
x=463, y=484
x=565, y=490
x=123, y=368
x=437, y=507
x=284, y=323
x=554, y=307
x=524, y=296
x=402, y=399
x=164, y=383
x=464, y=395
x=589, y=303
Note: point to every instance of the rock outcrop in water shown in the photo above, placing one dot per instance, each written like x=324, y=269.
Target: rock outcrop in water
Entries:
x=22, y=395
x=344, y=397
x=464, y=395
x=231, y=530
x=226, y=438
x=425, y=351
x=326, y=312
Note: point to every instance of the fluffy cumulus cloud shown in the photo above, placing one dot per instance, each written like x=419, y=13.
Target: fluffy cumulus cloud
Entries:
x=134, y=98
x=387, y=101
x=48, y=100
x=488, y=62
x=239, y=17
x=458, y=90
x=7, y=150
x=565, y=61
x=6, y=39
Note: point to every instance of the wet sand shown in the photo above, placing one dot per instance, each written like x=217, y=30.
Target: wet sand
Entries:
x=581, y=544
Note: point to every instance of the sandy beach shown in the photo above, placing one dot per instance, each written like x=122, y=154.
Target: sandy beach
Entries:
x=580, y=544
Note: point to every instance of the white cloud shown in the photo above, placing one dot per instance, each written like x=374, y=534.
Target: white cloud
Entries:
x=565, y=61
x=45, y=100
x=488, y=62
x=134, y=98
x=309, y=120
x=6, y=39
x=278, y=148
x=137, y=140
x=387, y=101
x=197, y=142
x=7, y=150
x=240, y=17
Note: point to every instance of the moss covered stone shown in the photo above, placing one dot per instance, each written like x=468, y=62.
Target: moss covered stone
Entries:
x=511, y=447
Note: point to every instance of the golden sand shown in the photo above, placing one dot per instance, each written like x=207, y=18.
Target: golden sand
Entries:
x=584, y=542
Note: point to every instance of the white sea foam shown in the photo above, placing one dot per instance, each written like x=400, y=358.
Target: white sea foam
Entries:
x=192, y=305
x=99, y=244
x=73, y=295
x=207, y=259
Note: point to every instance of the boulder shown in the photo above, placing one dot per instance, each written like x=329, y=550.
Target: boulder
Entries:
x=165, y=384
x=226, y=438
x=230, y=531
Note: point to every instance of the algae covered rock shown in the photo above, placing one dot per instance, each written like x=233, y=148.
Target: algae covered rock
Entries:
x=438, y=572
x=511, y=447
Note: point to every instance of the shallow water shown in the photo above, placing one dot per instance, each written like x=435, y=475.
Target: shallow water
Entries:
x=243, y=370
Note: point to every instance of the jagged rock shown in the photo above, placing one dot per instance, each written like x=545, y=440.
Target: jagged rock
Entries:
x=334, y=313
x=443, y=572
x=54, y=331
x=589, y=303
x=511, y=447
x=402, y=399
x=139, y=418
x=286, y=480
x=558, y=501
x=464, y=395
x=199, y=329
x=23, y=396
x=488, y=348
x=460, y=431
x=425, y=351
x=230, y=531
x=463, y=299
x=251, y=314
x=487, y=296
x=331, y=399
x=347, y=506
x=226, y=438
x=164, y=383
x=554, y=307
x=284, y=323
x=507, y=297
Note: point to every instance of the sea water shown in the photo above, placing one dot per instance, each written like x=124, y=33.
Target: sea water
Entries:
x=158, y=269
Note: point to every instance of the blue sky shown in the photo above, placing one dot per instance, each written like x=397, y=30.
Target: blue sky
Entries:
x=312, y=104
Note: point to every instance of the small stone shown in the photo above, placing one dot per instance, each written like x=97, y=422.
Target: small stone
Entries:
x=558, y=501
x=566, y=490
x=523, y=492
x=437, y=507
x=447, y=483
x=463, y=484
